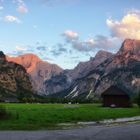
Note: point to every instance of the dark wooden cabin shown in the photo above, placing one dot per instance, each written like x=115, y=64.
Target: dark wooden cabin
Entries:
x=115, y=97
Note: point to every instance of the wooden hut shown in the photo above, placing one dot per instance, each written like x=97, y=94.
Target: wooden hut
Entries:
x=115, y=97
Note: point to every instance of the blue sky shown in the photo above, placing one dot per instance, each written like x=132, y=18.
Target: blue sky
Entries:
x=66, y=32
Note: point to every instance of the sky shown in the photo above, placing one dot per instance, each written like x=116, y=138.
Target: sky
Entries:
x=66, y=32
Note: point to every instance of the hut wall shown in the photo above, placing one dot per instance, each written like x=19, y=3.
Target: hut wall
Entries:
x=117, y=100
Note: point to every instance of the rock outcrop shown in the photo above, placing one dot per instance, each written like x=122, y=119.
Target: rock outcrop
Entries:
x=14, y=80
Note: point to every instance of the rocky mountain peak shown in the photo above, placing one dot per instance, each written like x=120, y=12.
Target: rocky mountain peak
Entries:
x=28, y=61
x=130, y=46
x=85, y=67
x=127, y=54
x=102, y=54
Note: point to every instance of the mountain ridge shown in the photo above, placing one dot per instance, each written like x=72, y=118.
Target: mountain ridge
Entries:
x=65, y=79
x=37, y=69
x=122, y=69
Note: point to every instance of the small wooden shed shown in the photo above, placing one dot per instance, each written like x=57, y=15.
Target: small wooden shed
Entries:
x=115, y=97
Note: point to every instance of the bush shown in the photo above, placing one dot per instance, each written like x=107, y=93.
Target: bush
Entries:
x=3, y=113
x=138, y=99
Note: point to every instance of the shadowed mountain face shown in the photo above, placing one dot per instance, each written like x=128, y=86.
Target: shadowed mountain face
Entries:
x=37, y=69
x=14, y=80
x=121, y=69
x=65, y=79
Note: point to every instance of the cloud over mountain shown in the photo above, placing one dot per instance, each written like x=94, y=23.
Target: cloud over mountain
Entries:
x=91, y=44
x=127, y=27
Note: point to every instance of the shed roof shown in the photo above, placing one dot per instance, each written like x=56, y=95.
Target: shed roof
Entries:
x=114, y=90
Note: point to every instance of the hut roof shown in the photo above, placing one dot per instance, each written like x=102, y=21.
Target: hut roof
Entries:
x=114, y=90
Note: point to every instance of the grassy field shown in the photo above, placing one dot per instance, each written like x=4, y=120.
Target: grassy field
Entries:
x=45, y=116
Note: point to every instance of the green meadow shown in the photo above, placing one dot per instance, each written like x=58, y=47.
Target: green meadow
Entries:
x=47, y=116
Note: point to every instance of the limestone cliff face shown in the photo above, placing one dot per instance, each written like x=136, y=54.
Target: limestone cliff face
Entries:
x=13, y=79
x=37, y=69
x=65, y=79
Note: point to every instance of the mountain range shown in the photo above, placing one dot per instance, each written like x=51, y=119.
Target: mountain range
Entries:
x=121, y=69
x=88, y=79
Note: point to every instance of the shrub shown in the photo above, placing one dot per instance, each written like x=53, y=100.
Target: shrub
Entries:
x=3, y=113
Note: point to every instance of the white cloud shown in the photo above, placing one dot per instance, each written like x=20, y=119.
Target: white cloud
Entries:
x=90, y=44
x=21, y=48
x=18, y=2
x=106, y=43
x=10, y=18
x=22, y=8
x=70, y=35
x=90, y=41
x=127, y=27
